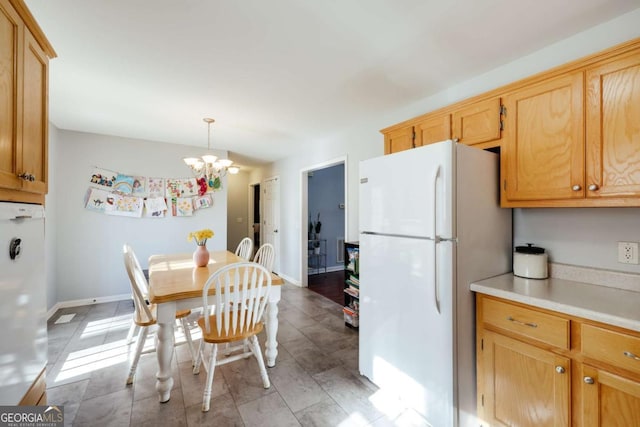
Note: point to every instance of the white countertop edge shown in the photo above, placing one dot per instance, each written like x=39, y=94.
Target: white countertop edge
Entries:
x=559, y=307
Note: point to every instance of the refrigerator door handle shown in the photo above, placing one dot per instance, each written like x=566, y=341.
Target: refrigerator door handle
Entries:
x=436, y=239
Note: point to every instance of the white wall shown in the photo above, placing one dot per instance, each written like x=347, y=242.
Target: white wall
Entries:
x=88, y=245
x=51, y=221
x=237, y=208
x=364, y=141
x=586, y=237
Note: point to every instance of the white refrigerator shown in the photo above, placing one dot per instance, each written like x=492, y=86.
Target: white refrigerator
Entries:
x=23, y=303
x=430, y=224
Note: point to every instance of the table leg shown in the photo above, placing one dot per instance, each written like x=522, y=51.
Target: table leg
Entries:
x=164, y=351
x=272, y=331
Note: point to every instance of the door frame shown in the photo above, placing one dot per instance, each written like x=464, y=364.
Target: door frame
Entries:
x=304, y=209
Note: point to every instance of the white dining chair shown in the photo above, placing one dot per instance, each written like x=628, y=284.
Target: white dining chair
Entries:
x=233, y=315
x=145, y=313
x=245, y=248
x=265, y=256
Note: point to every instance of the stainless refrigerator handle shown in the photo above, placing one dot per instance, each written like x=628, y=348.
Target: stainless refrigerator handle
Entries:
x=436, y=286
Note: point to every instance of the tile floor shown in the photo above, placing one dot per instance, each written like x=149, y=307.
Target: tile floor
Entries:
x=314, y=383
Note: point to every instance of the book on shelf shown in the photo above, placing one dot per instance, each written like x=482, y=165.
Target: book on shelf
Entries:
x=354, y=279
x=352, y=291
x=351, y=284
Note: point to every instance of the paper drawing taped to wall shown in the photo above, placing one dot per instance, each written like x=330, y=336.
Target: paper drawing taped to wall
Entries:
x=103, y=177
x=181, y=187
x=96, y=199
x=155, y=207
x=122, y=205
x=203, y=202
x=155, y=187
x=123, y=184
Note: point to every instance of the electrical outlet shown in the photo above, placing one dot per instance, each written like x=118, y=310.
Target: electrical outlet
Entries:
x=628, y=252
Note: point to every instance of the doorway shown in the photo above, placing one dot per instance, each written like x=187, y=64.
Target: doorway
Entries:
x=254, y=214
x=324, y=210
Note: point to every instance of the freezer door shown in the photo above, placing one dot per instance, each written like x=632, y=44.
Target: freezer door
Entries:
x=398, y=192
x=405, y=337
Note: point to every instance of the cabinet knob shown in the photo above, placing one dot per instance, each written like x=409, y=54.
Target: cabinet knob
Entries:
x=589, y=380
x=560, y=370
x=594, y=187
x=27, y=177
x=576, y=187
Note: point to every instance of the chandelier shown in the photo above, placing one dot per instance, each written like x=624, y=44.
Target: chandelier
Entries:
x=209, y=167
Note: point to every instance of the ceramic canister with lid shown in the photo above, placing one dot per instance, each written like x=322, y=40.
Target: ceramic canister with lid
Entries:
x=530, y=262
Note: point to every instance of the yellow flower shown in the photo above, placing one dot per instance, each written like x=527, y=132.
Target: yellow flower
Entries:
x=201, y=236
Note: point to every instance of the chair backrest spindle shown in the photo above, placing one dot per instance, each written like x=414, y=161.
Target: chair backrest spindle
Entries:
x=241, y=294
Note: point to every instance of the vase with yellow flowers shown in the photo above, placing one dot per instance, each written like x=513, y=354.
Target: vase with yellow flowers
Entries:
x=201, y=254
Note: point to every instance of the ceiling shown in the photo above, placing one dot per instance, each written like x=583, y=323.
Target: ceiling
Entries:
x=279, y=74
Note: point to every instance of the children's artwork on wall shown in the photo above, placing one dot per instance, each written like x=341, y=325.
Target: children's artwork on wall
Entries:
x=203, y=202
x=115, y=193
x=103, y=177
x=155, y=207
x=123, y=184
x=122, y=205
x=181, y=187
x=96, y=199
x=155, y=187
x=139, y=186
x=184, y=206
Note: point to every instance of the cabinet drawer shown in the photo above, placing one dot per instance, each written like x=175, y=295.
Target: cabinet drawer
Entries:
x=533, y=324
x=615, y=348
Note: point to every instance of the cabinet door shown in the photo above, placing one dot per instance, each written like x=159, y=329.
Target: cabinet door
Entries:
x=543, y=145
x=433, y=129
x=11, y=42
x=34, y=134
x=398, y=140
x=479, y=122
x=613, y=128
x=522, y=385
x=609, y=400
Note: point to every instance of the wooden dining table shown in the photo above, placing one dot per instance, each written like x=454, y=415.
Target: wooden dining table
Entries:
x=175, y=283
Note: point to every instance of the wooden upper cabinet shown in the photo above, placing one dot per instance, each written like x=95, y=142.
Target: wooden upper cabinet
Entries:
x=613, y=128
x=543, y=147
x=35, y=126
x=433, y=129
x=11, y=34
x=478, y=122
x=24, y=64
x=398, y=140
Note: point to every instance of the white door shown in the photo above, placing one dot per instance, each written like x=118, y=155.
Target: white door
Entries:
x=271, y=217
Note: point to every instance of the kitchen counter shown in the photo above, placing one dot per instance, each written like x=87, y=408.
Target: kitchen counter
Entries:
x=608, y=305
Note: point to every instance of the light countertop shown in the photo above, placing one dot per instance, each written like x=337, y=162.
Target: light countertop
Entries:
x=608, y=305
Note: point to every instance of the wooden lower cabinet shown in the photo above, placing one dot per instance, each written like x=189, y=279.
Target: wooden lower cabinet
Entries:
x=524, y=379
x=523, y=385
x=609, y=399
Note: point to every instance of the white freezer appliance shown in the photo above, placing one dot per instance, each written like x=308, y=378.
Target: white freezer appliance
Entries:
x=430, y=224
x=23, y=323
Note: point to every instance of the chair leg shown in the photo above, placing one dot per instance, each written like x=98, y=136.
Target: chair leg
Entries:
x=133, y=330
x=142, y=337
x=255, y=348
x=206, y=398
x=187, y=335
x=198, y=361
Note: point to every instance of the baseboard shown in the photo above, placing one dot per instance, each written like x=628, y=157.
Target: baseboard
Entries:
x=331, y=269
x=291, y=280
x=87, y=301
